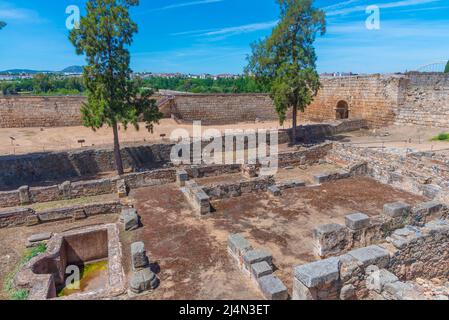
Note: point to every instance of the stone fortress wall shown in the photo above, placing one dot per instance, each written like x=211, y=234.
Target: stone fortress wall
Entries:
x=415, y=98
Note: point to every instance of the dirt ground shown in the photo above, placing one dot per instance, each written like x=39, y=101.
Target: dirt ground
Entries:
x=399, y=138
x=66, y=138
x=191, y=253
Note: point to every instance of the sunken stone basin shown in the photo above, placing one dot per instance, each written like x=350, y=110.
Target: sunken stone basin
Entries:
x=46, y=273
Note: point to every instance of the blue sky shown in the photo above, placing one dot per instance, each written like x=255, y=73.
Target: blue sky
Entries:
x=214, y=36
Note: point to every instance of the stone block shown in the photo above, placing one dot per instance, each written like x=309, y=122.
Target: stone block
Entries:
x=377, y=279
x=347, y=292
x=24, y=195
x=261, y=269
x=372, y=255
x=357, y=221
x=253, y=256
x=273, y=288
x=138, y=256
x=329, y=238
x=131, y=219
x=397, y=209
x=321, y=177
x=401, y=291
x=143, y=280
x=181, y=178
x=38, y=238
x=66, y=189
x=274, y=191
x=122, y=188
x=238, y=244
x=318, y=272
x=301, y=292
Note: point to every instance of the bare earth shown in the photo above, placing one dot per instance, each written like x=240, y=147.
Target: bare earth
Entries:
x=192, y=252
x=66, y=138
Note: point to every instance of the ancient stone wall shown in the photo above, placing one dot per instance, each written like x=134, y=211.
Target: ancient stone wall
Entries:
x=34, y=111
x=420, y=173
x=379, y=99
x=424, y=100
x=376, y=271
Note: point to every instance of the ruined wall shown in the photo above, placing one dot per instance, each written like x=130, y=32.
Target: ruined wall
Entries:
x=34, y=111
x=379, y=99
x=424, y=100
x=372, y=98
x=224, y=108
x=420, y=173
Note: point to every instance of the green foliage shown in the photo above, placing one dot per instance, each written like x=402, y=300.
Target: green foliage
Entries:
x=43, y=85
x=58, y=85
x=442, y=137
x=103, y=37
x=8, y=286
x=446, y=70
x=286, y=60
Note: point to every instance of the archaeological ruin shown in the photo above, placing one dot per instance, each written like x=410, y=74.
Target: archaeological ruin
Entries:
x=357, y=209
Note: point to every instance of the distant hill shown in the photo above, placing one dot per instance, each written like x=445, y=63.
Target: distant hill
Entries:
x=71, y=69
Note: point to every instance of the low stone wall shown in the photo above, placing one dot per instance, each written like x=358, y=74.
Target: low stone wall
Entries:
x=308, y=156
x=197, y=198
x=68, y=190
x=361, y=230
x=420, y=173
x=408, y=254
x=29, y=217
x=245, y=186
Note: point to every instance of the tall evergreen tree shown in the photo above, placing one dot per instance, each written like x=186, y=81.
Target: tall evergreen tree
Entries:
x=446, y=70
x=103, y=36
x=286, y=60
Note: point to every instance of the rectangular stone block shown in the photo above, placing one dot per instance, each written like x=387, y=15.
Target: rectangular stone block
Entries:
x=131, y=219
x=372, y=255
x=301, y=292
x=273, y=288
x=357, y=221
x=397, y=209
x=181, y=178
x=40, y=237
x=253, y=256
x=24, y=195
x=138, y=256
x=261, y=269
x=274, y=191
x=318, y=273
x=238, y=244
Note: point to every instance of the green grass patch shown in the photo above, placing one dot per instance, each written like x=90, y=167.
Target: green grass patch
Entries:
x=441, y=137
x=8, y=286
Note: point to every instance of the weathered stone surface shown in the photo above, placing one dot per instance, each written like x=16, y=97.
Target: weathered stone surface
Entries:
x=402, y=291
x=357, y=221
x=66, y=188
x=122, y=188
x=40, y=237
x=273, y=288
x=238, y=244
x=139, y=256
x=130, y=219
x=302, y=292
x=181, y=178
x=329, y=239
x=143, y=280
x=372, y=255
x=379, y=278
x=274, y=191
x=397, y=209
x=347, y=292
x=254, y=256
x=261, y=269
x=24, y=195
x=318, y=273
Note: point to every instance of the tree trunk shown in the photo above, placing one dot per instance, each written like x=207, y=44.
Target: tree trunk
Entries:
x=117, y=154
x=295, y=124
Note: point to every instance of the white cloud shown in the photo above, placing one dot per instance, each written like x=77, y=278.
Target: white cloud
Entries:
x=397, y=4
x=187, y=4
x=9, y=12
